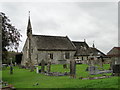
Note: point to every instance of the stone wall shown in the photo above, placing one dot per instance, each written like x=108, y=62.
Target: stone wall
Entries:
x=38, y=56
x=57, y=56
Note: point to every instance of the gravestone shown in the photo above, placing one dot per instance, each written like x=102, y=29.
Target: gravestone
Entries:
x=93, y=70
x=11, y=69
x=31, y=67
x=65, y=66
x=100, y=63
x=48, y=67
x=92, y=62
x=42, y=66
x=116, y=69
x=86, y=69
x=72, y=68
x=110, y=65
x=37, y=70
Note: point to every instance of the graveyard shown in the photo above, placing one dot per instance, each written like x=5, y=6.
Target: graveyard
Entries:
x=23, y=78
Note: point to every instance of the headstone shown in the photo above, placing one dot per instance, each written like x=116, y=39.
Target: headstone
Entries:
x=116, y=70
x=48, y=67
x=65, y=66
x=31, y=67
x=42, y=66
x=93, y=70
x=110, y=65
x=92, y=62
x=11, y=69
x=15, y=63
x=37, y=70
x=86, y=69
x=72, y=68
x=100, y=63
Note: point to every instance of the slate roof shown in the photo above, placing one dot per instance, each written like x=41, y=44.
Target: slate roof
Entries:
x=44, y=42
x=82, y=48
x=96, y=52
x=114, y=52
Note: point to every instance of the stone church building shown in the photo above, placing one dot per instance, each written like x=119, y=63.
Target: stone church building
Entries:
x=56, y=49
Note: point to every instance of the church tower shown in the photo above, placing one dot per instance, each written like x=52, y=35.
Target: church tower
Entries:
x=29, y=36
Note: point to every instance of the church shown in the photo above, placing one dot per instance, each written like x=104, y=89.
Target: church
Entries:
x=54, y=49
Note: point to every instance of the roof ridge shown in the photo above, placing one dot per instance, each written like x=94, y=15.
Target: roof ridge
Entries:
x=116, y=47
x=71, y=42
x=78, y=41
x=47, y=35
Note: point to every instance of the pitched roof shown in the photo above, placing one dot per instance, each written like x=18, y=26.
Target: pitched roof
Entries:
x=44, y=42
x=82, y=48
x=114, y=52
x=96, y=52
x=80, y=44
x=117, y=48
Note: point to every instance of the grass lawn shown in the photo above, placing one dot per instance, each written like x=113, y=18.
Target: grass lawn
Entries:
x=23, y=78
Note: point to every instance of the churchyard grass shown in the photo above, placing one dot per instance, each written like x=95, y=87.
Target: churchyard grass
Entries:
x=23, y=78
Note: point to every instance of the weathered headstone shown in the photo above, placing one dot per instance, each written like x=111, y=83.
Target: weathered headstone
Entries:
x=116, y=70
x=48, y=67
x=11, y=69
x=42, y=66
x=31, y=66
x=92, y=62
x=37, y=70
x=15, y=63
x=72, y=68
x=110, y=65
x=65, y=66
x=93, y=70
x=99, y=63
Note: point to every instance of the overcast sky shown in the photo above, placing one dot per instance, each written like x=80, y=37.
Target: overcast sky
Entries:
x=93, y=21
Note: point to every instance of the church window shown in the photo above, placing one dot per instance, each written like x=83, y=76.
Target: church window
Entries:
x=67, y=55
x=51, y=55
x=82, y=58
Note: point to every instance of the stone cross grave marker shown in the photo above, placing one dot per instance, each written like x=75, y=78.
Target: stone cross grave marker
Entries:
x=42, y=66
x=72, y=68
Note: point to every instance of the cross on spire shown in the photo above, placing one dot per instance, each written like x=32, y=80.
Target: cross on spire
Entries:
x=29, y=14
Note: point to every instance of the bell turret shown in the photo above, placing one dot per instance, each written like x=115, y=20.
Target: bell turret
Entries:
x=29, y=27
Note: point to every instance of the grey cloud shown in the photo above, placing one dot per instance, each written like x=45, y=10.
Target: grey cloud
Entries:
x=92, y=21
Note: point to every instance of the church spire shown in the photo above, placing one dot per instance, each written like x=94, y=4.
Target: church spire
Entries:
x=29, y=27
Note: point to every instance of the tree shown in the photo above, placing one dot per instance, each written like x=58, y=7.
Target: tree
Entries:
x=10, y=36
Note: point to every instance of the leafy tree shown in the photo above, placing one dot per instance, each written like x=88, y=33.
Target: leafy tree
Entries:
x=10, y=36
